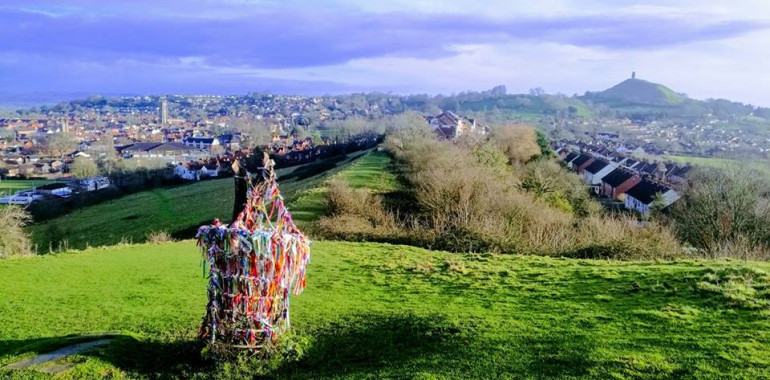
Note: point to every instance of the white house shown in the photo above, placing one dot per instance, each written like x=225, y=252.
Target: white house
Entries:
x=189, y=171
x=596, y=171
x=448, y=125
x=94, y=183
x=21, y=198
x=209, y=170
x=641, y=197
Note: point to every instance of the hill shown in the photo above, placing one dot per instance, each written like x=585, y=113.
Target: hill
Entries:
x=176, y=210
x=387, y=311
x=637, y=92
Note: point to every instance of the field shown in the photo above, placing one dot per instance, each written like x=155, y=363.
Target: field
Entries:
x=762, y=166
x=370, y=172
x=374, y=310
x=384, y=311
x=177, y=210
x=9, y=186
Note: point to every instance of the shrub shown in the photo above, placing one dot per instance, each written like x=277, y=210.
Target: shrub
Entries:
x=158, y=237
x=14, y=240
x=355, y=214
x=549, y=180
x=467, y=199
x=725, y=213
x=517, y=141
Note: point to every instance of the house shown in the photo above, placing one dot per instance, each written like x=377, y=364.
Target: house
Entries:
x=209, y=170
x=190, y=171
x=646, y=168
x=93, y=183
x=608, y=136
x=21, y=198
x=581, y=162
x=195, y=170
x=641, y=196
x=42, y=167
x=630, y=163
x=594, y=172
x=229, y=141
x=570, y=158
x=448, y=125
x=157, y=150
x=200, y=142
x=679, y=174
x=615, y=184
x=57, y=189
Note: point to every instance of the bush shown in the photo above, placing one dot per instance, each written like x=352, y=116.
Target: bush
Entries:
x=725, y=213
x=158, y=237
x=14, y=240
x=467, y=202
x=355, y=214
x=560, y=188
x=517, y=141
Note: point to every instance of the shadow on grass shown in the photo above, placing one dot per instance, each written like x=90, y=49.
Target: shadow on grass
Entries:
x=355, y=345
x=376, y=344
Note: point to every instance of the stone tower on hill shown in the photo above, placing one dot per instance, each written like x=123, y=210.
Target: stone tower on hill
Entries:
x=633, y=75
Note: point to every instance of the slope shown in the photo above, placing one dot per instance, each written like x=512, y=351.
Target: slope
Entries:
x=637, y=92
x=386, y=311
x=177, y=210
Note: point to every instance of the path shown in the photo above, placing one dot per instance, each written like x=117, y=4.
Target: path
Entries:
x=44, y=362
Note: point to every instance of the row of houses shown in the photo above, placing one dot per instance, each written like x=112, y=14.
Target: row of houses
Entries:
x=637, y=186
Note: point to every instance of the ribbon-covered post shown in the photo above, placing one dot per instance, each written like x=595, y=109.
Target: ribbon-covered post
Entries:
x=254, y=265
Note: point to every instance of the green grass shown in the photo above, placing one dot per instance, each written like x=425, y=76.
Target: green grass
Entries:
x=9, y=186
x=177, y=210
x=383, y=311
x=370, y=172
x=762, y=166
x=639, y=92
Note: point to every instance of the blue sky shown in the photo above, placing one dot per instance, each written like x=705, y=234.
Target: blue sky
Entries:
x=704, y=48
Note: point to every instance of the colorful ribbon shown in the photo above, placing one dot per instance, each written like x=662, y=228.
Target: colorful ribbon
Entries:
x=254, y=265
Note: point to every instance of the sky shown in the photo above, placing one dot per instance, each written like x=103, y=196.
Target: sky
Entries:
x=704, y=48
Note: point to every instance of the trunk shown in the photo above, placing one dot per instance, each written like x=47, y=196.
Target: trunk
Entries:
x=242, y=184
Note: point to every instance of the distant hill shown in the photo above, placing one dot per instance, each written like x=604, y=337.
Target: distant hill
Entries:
x=637, y=92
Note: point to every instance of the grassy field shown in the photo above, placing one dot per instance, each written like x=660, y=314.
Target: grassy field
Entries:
x=370, y=171
x=177, y=210
x=383, y=311
x=762, y=166
x=9, y=186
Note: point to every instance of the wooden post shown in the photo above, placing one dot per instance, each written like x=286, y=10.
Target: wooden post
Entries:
x=242, y=184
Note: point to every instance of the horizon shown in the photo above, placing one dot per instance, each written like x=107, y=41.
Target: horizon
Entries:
x=238, y=47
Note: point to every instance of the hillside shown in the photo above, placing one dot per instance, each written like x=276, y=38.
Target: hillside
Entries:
x=637, y=92
x=177, y=210
x=386, y=311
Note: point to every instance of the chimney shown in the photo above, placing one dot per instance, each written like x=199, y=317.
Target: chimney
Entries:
x=633, y=75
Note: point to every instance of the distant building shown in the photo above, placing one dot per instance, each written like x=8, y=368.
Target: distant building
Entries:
x=203, y=143
x=157, y=150
x=615, y=184
x=594, y=173
x=642, y=195
x=163, y=110
x=448, y=125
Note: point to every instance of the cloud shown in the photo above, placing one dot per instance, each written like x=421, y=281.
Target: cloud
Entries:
x=234, y=46
x=273, y=39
